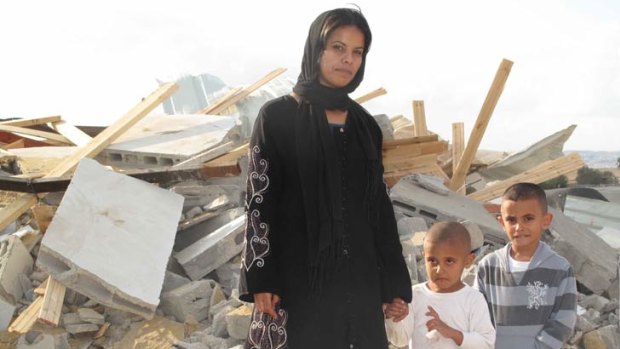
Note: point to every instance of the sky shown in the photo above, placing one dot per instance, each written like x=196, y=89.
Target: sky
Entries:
x=91, y=62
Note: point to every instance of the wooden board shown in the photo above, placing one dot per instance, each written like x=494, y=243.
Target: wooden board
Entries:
x=72, y=133
x=419, y=119
x=216, y=105
x=48, y=136
x=458, y=146
x=215, y=110
x=31, y=122
x=543, y=172
x=51, y=308
x=370, y=95
x=24, y=322
x=20, y=143
x=413, y=140
x=497, y=87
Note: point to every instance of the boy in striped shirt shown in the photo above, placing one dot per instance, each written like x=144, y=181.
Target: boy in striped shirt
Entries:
x=530, y=289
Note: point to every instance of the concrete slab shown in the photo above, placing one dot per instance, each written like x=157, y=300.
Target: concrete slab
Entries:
x=111, y=238
x=166, y=140
x=215, y=249
x=411, y=199
x=196, y=232
x=592, y=259
x=14, y=260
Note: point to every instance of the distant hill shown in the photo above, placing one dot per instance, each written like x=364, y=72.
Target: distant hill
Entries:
x=598, y=159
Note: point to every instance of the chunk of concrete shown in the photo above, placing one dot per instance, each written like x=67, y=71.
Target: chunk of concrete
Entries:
x=407, y=226
x=111, y=238
x=174, y=280
x=40, y=340
x=7, y=309
x=81, y=328
x=196, y=232
x=70, y=319
x=592, y=259
x=238, y=322
x=90, y=316
x=215, y=249
x=14, y=260
x=411, y=197
x=191, y=299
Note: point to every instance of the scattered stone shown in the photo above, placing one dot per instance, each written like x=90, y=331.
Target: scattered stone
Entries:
x=90, y=316
x=238, y=322
x=81, y=328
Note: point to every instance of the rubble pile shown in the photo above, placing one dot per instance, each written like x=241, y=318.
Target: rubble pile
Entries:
x=130, y=237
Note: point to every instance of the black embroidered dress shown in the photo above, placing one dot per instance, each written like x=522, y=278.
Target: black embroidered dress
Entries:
x=347, y=312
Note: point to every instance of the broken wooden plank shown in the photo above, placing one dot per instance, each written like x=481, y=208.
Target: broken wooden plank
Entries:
x=497, y=87
x=48, y=136
x=31, y=122
x=24, y=322
x=370, y=95
x=215, y=110
x=458, y=145
x=543, y=172
x=409, y=163
x=72, y=133
x=15, y=209
x=51, y=308
x=415, y=149
x=419, y=119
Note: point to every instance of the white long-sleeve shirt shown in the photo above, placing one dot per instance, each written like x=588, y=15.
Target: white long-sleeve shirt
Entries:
x=465, y=310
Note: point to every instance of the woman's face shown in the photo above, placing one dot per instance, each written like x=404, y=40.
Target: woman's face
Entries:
x=342, y=56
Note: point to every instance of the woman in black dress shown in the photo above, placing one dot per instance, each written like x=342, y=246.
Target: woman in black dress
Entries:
x=322, y=253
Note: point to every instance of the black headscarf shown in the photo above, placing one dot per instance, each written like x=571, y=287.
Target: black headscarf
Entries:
x=319, y=169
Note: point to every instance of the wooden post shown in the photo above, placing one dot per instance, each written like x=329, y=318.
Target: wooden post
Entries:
x=31, y=122
x=458, y=145
x=419, y=119
x=376, y=93
x=458, y=177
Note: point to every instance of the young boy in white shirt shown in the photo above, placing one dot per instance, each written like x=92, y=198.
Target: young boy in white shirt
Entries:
x=445, y=312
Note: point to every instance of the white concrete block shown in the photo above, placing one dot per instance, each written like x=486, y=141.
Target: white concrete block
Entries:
x=14, y=260
x=111, y=238
x=215, y=249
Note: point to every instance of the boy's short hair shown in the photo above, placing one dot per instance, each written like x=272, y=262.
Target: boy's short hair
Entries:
x=444, y=231
x=526, y=191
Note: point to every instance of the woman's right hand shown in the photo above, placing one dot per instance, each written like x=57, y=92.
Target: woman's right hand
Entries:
x=266, y=303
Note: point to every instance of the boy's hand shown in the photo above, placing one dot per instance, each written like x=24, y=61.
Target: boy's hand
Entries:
x=266, y=302
x=436, y=324
x=397, y=310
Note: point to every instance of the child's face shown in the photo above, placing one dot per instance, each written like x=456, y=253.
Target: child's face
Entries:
x=524, y=222
x=445, y=261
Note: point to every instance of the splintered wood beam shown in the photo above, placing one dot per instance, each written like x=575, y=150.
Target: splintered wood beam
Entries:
x=24, y=322
x=419, y=119
x=28, y=131
x=458, y=145
x=31, y=122
x=543, y=172
x=243, y=94
x=370, y=95
x=102, y=140
x=72, y=133
x=51, y=309
x=497, y=87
